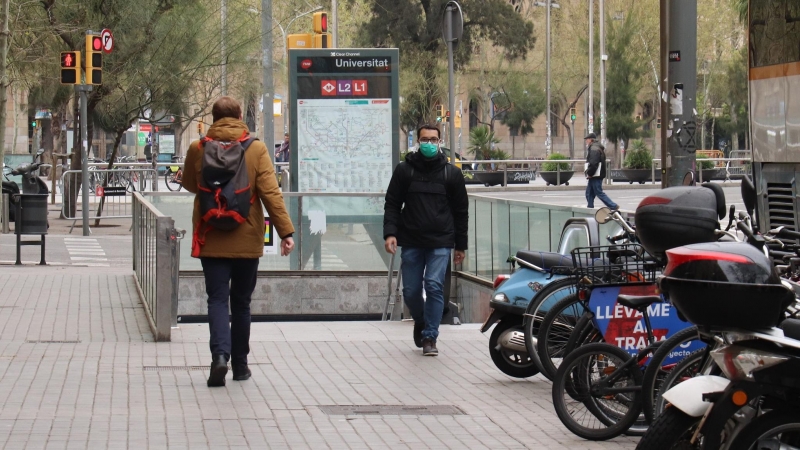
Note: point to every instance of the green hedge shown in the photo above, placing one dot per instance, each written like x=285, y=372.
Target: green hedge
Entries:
x=553, y=167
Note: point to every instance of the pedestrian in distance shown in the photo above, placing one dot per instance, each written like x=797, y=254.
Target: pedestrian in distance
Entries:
x=426, y=214
x=282, y=154
x=596, y=172
x=232, y=176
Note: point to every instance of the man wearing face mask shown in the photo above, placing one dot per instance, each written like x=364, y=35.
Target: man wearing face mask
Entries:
x=426, y=213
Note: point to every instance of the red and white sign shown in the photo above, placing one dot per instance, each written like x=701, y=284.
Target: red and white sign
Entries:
x=305, y=64
x=328, y=88
x=108, y=40
x=359, y=87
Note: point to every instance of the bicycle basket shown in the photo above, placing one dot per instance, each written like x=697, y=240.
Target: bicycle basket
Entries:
x=615, y=264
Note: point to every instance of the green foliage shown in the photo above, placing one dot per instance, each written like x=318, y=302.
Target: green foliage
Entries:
x=638, y=156
x=415, y=27
x=523, y=101
x=553, y=167
x=481, y=141
x=623, y=80
x=499, y=154
x=704, y=165
x=741, y=9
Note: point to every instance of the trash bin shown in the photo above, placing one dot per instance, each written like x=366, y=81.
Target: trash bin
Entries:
x=31, y=214
x=31, y=219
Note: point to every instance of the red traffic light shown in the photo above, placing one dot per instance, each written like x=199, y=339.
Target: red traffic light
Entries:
x=97, y=43
x=69, y=59
x=324, y=23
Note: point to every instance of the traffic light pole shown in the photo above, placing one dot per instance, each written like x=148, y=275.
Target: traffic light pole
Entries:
x=83, y=90
x=267, y=119
x=451, y=101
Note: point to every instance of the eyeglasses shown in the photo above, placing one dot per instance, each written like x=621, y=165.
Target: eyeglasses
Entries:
x=429, y=140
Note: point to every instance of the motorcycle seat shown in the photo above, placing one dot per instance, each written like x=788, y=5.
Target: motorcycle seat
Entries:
x=791, y=328
x=545, y=260
x=638, y=302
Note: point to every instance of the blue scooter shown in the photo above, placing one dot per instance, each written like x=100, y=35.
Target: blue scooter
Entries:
x=520, y=300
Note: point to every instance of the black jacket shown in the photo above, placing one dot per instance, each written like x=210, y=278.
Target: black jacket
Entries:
x=426, y=204
x=596, y=155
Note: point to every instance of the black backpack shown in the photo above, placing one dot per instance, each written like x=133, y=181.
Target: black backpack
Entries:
x=223, y=187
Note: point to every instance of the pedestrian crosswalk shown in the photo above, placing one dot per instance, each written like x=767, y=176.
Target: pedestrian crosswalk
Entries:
x=330, y=261
x=86, y=252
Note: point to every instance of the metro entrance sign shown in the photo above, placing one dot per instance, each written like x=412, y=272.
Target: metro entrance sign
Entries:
x=344, y=119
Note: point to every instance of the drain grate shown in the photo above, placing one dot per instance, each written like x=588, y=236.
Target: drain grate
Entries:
x=172, y=368
x=52, y=342
x=392, y=410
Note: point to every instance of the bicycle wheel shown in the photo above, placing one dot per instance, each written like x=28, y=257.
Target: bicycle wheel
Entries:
x=597, y=414
x=656, y=371
x=538, y=307
x=172, y=184
x=555, y=331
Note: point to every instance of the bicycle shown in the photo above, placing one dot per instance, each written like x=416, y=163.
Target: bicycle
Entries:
x=173, y=177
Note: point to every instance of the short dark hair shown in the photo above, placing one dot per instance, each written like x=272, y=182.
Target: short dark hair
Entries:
x=226, y=107
x=428, y=126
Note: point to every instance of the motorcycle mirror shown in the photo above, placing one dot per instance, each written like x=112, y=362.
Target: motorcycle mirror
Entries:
x=603, y=215
x=40, y=152
x=749, y=195
x=688, y=179
x=731, y=215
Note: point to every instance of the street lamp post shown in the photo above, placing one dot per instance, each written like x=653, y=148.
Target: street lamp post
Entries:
x=223, y=49
x=590, y=118
x=603, y=58
x=549, y=140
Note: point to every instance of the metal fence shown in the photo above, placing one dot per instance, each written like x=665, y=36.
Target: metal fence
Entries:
x=109, y=192
x=156, y=257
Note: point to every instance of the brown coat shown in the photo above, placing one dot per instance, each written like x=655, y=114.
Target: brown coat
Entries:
x=247, y=240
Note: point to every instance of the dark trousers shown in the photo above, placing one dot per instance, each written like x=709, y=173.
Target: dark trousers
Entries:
x=234, y=279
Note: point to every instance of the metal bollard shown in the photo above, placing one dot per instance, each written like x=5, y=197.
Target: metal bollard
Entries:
x=5, y=213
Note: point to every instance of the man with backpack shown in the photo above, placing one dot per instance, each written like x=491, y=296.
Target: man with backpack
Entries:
x=426, y=213
x=232, y=176
x=596, y=172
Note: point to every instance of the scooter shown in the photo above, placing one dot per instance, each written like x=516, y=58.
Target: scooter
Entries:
x=534, y=283
x=31, y=183
x=10, y=188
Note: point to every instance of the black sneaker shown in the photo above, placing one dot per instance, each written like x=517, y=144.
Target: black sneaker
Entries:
x=219, y=368
x=418, y=327
x=429, y=348
x=241, y=372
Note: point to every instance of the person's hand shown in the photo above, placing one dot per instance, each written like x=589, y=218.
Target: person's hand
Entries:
x=458, y=256
x=391, y=245
x=287, y=245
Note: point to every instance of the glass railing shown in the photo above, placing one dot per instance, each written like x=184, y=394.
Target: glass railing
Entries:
x=338, y=232
x=499, y=228
x=344, y=232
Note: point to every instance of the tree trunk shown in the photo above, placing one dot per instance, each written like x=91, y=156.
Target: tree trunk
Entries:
x=72, y=184
x=3, y=82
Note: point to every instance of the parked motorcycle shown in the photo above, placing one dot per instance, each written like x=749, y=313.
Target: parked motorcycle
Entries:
x=531, y=289
x=733, y=291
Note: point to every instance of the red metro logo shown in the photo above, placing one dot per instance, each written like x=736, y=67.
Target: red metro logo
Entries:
x=305, y=64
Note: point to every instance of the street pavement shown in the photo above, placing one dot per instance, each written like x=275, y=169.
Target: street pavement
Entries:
x=627, y=197
x=79, y=369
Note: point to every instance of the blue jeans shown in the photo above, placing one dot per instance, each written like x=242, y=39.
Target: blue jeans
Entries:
x=428, y=265
x=234, y=279
x=595, y=189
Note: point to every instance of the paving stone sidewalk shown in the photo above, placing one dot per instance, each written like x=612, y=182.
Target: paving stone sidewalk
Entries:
x=79, y=369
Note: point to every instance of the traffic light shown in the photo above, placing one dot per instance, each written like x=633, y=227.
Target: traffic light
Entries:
x=572, y=114
x=320, y=22
x=33, y=124
x=658, y=123
x=446, y=117
x=322, y=39
x=70, y=67
x=439, y=113
x=94, y=60
x=200, y=128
